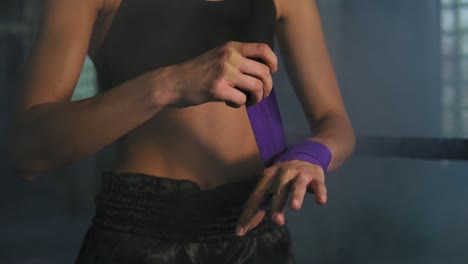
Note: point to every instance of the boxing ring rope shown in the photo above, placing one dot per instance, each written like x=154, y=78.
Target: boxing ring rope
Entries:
x=412, y=148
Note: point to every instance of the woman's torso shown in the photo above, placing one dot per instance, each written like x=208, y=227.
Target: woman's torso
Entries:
x=210, y=144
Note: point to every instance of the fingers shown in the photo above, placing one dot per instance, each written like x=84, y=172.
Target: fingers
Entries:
x=320, y=191
x=266, y=205
x=257, y=218
x=234, y=98
x=259, y=51
x=298, y=191
x=210, y=76
x=280, y=191
x=250, y=209
x=227, y=93
x=295, y=177
x=232, y=63
x=252, y=86
x=260, y=71
x=253, y=203
x=241, y=66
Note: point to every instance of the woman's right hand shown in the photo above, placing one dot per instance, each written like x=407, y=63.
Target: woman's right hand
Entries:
x=230, y=73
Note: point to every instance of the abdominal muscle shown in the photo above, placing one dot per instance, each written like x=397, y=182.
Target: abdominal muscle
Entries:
x=211, y=144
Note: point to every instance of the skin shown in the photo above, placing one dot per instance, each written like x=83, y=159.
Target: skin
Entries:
x=314, y=81
x=200, y=140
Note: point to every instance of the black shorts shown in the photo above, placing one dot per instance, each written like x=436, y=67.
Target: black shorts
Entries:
x=146, y=219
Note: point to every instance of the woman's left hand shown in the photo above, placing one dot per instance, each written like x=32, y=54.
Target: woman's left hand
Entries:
x=297, y=177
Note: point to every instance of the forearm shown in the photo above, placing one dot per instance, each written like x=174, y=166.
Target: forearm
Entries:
x=335, y=132
x=51, y=135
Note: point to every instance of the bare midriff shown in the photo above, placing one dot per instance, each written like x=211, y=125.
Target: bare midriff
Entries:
x=210, y=144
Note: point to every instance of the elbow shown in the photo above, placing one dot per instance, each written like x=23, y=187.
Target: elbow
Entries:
x=23, y=158
x=348, y=142
x=352, y=142
x=24, y=175
x=28, y=170
x=348, y=135
x=24, y=167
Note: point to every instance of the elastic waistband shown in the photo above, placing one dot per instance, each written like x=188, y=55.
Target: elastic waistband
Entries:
x=170, y=209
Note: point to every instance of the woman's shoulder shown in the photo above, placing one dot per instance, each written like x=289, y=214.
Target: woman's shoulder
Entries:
x=108, y=6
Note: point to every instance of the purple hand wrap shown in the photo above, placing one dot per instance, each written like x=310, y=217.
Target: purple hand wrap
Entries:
x=310, y=151
x=267, y=127
x=265, y=120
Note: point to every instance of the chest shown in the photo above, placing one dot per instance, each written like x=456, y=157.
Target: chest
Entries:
x=148, y=34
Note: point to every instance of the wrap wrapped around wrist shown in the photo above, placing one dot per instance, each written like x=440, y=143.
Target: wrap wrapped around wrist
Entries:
x=265, y=119
x=308, y=150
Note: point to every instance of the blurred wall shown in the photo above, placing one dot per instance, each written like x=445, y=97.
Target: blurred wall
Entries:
x=387, y=210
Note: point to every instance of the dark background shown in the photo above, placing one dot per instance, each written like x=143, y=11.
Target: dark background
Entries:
x=403, y=71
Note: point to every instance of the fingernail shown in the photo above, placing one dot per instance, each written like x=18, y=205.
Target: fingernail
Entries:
x=278, y=219
x=296, y=203
x=321, y=199
x=239, y=230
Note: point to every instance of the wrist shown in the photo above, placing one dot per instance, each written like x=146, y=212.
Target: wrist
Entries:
x=310, y=151
x=162, y=83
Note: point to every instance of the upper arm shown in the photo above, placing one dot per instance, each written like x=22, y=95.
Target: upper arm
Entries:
x=308, y=63
x=56, y=59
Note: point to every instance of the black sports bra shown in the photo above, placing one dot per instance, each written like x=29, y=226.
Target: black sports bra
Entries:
x=149, y=34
